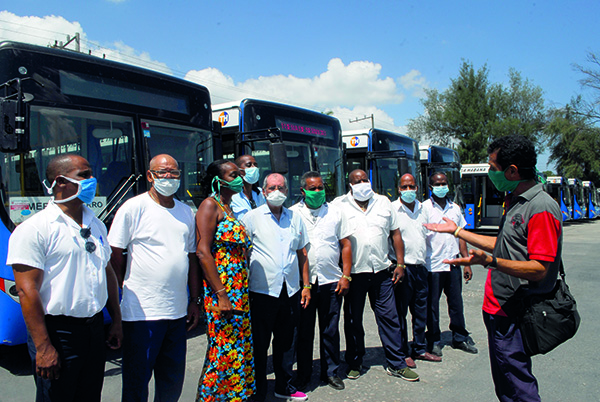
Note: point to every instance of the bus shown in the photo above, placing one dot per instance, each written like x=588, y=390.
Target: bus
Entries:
x=579, y=204
x=384, y=155
x=558, y=188
x=484, y=204
x=284, y=139
x=115, y=115
x=590, y=195
x=435, y=158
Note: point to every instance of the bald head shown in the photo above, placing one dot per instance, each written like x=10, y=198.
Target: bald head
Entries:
x=358, y=176
x=163, y=160
x=62, y=165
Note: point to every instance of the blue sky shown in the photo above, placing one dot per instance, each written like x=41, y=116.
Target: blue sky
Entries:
x=355, y=58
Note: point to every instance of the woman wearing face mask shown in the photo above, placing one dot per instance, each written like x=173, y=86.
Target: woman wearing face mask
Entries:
x=251, y=196
x=228, y=372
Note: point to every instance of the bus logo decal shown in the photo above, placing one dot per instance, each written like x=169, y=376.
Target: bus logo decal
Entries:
x=354, y=141
x=224, y=118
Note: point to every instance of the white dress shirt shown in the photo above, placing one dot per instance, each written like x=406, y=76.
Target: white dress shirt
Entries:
x=441, y=246
x=74, y=281
x=325, y=226
x=413, y=232
x=273, y=258
x=371, y=229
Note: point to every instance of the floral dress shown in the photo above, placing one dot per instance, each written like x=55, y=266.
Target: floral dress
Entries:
x=228, y=373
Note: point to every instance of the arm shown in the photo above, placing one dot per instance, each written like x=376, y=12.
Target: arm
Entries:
x=28, y=281
x=119, y=264
x=115, y=332
x=343, y=285
x=485, y=243
x=303, y=265
x=398, y=245
x=467, y=272
x=207, y=219
x=195, y=286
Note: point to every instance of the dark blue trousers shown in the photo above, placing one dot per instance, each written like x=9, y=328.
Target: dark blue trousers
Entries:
x=153, y=346
x=277, y=316
x=328, y=304
x=451, y=284
x=511, y=367
x=412, y=294
x=79, y=343
x=380, y=289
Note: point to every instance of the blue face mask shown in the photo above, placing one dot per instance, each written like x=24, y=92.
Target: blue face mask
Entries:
x=408, y=196
x=86, y=191
x=252, y=175
x=440, y=191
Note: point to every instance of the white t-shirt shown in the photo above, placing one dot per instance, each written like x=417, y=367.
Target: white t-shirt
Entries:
x=441, y=246
x=74, y=282
x=158, y=241
x=326, y=226
x=370, y=232
x=413, y=232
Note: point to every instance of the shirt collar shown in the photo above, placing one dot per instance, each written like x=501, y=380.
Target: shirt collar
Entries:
x=418, y=206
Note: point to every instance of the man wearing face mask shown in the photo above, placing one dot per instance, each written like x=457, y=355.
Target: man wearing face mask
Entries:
x=158, y=233
x=251, y=197
x=60, y=258
x=328, y=232
x=373, y=221
x=444, y=277
x=413, y=291
x=278, y=262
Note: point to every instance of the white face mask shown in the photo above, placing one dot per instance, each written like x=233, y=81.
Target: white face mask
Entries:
x=362, y=191
x=276, y=198
x=166, y=187
x=252, y=174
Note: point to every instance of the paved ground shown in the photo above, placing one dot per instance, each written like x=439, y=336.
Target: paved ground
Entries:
x=569, y=373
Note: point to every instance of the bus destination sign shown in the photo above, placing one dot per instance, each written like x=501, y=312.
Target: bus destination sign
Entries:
x=303, y=128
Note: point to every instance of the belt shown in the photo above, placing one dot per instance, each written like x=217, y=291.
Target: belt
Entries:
x=66, y=319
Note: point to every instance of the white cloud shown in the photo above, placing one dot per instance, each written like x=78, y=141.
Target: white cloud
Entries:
x=48, y=30
x=415, y=82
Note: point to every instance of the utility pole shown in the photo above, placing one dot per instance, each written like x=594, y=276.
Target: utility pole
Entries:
x=75, y=38
x=365, y=118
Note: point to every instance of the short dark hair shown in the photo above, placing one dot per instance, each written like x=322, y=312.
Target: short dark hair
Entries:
x=515, y=150
x=309, y=175
x=215, y=169
x=59, y=165
x=435, y=174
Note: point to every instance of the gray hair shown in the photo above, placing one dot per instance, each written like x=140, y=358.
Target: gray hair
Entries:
x=309, y=175
x=285, y=183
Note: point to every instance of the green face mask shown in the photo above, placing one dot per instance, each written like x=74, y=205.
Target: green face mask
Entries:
x=236, y=185
x=501, y=182
x=314, y=199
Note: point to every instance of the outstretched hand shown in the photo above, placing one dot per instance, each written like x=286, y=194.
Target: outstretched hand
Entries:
x=448, y=226
x=475, y=257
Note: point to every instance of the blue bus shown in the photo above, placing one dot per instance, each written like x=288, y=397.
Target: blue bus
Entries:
x=590, y=196
x=384, y=155
x=435, y=158
x=115, y=115
x=579, y=202
x=484, y=204
x=558, y=188
x=284, y=139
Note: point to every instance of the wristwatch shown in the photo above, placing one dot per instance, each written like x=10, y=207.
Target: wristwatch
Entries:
x=400, y=266
x=493, y=264
x=309, y=286
x=349, y=278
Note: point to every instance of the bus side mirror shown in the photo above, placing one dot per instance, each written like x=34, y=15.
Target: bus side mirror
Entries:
x=456, y=177
x=217, y=139
x=279, y=160
x=14, y=132
x=403, y=166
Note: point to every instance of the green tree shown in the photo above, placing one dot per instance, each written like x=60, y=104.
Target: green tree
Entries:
x=590, y=107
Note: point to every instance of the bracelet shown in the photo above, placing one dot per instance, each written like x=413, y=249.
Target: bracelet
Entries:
x=458, y=229
x=199, y=300
x=400, y=266
x=219, y=291
x=493, y=264
x=309, y=286
x=349, y=278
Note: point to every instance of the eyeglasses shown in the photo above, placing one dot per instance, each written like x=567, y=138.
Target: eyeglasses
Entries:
x=163, y=173
x=90, y=247
x=273, y=188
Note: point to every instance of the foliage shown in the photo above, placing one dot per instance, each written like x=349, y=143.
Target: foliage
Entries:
x=471, y=113
x=590, y=108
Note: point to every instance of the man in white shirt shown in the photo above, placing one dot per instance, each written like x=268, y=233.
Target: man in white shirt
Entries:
x=328, y=233
x=251, y=196
x=159, y=235
x=278, y=261
x=372, y=219
x=60, y=258
x=413, y=291
x=445, y=277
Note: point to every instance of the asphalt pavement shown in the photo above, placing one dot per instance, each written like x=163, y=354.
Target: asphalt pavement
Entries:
x=569, y=373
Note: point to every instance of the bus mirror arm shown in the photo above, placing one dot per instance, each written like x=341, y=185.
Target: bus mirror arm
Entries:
x=118, y=197
x=14, y=118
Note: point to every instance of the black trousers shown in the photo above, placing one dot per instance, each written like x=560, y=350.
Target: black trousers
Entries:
x=276, y=316
x=327, y=304
x=80, y=346
x=412, y=294
x=451, y=284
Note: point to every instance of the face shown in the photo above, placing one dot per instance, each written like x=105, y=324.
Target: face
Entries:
x=163, y=167
x=314, y=184
x=439, y=180
x=358, y=176
x=407, y=182
x=81, y=170
x=229, y=172
x=275, y=182
x=247, y=161
x=493, y=162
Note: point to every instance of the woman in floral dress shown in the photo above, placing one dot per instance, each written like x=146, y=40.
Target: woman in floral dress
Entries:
x=228, y=373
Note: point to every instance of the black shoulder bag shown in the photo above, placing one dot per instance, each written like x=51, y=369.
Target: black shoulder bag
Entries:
x=547, y=320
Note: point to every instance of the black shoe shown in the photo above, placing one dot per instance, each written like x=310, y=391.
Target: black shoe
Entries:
x=465, y=346
x=436, y=350
x=335, y=382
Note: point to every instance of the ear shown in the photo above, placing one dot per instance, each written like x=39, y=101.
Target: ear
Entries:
x=149, y=176
x=512, y=173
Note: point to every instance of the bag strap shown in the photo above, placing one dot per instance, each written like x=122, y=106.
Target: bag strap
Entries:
x=561, y=270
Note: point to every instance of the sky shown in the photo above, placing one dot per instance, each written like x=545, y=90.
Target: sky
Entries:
x=355, y=58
